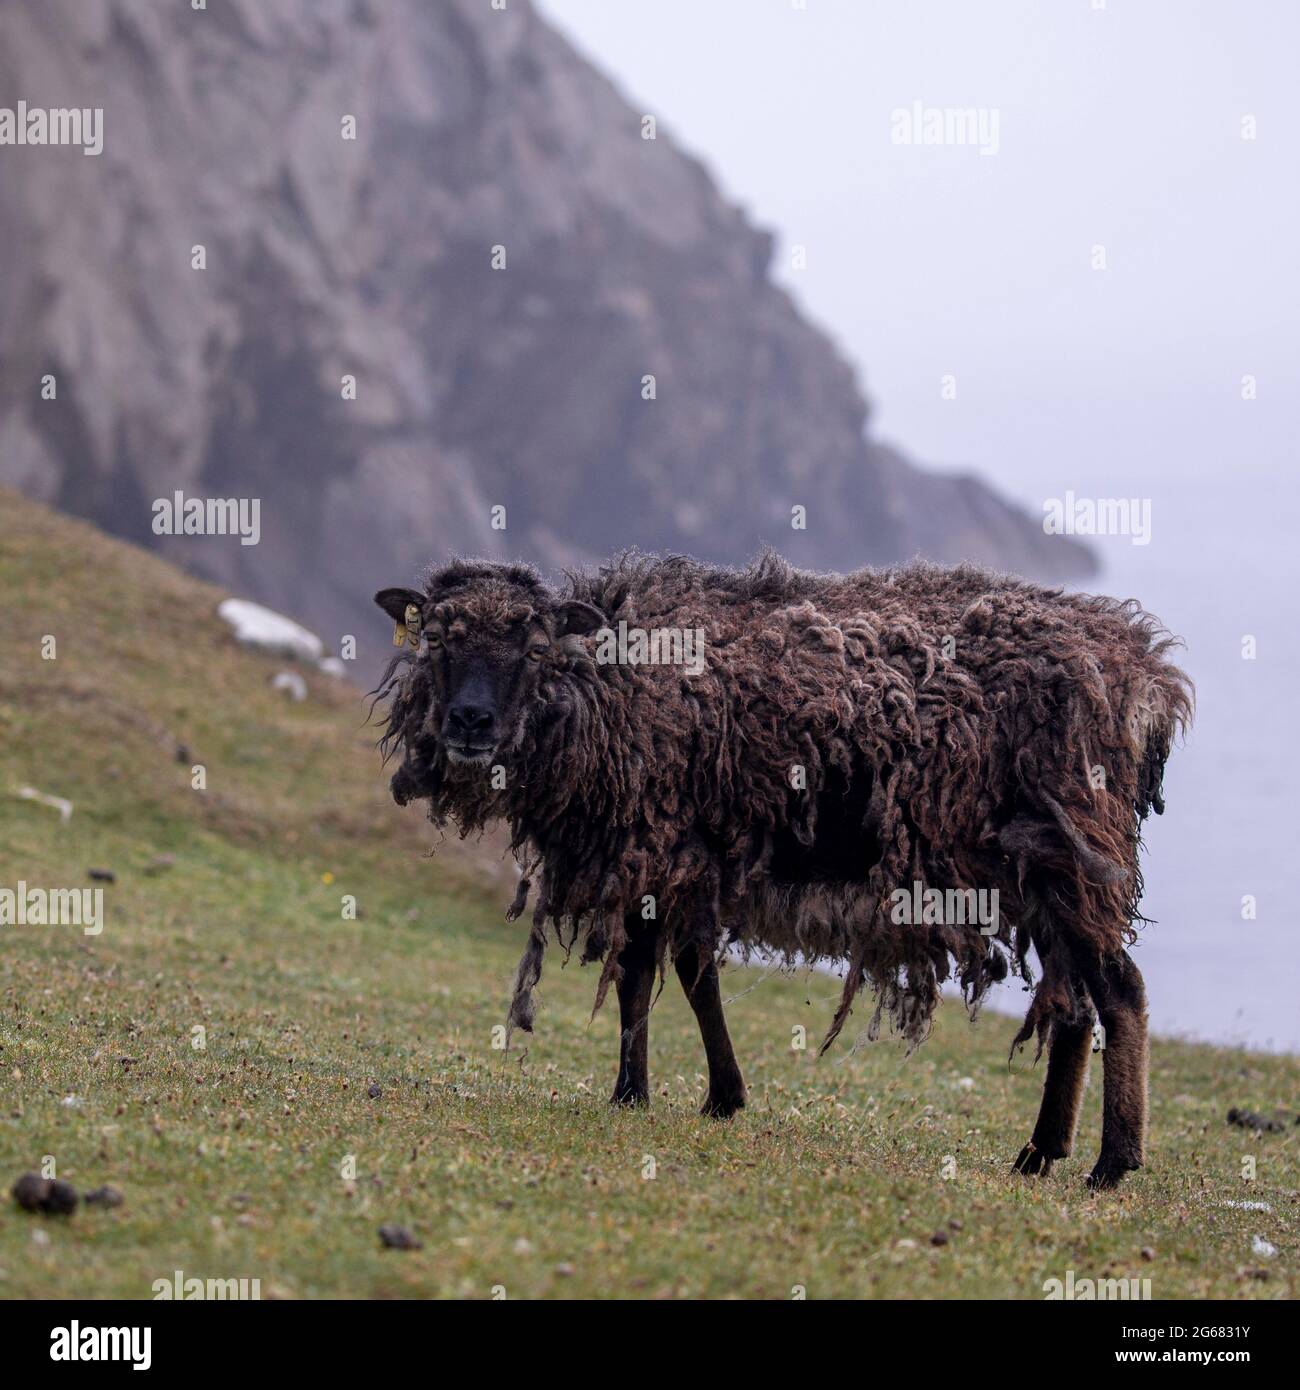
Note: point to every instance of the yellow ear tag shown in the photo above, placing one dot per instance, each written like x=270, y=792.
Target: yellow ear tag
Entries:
x=412, y=626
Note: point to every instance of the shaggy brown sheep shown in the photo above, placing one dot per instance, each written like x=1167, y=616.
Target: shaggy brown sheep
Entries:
x=840, y=747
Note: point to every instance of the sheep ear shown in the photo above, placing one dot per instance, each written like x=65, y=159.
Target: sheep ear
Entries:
x=577, y=618
x=394, y=602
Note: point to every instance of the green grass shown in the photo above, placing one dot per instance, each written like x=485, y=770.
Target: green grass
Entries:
x=510, y=1167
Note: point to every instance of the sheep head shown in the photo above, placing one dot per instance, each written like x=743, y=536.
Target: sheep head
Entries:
x=490, y=638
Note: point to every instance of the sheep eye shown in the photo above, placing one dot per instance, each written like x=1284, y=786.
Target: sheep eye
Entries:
x=536, y=653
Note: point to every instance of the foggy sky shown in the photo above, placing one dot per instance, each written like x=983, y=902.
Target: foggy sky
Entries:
x=1119, y=127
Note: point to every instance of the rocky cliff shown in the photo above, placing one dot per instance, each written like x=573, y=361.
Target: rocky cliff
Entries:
x=500, y=261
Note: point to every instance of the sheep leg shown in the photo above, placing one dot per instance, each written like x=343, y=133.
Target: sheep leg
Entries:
x=1117, y=990
x=636, y=982
x=698, y=972
x=1067, y=1074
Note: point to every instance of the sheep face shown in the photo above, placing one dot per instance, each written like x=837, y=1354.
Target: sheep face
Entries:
x=483, y=678
x=485, y=649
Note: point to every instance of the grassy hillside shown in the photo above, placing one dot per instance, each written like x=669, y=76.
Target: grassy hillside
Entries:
x=511, y=1168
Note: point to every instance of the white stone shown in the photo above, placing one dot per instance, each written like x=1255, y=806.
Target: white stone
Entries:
x=291, y=683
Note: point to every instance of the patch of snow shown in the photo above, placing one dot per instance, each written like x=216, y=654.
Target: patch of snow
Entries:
x=269, y=631
x=60, y=804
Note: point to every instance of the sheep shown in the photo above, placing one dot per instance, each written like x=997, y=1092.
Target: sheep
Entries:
x=850, y=746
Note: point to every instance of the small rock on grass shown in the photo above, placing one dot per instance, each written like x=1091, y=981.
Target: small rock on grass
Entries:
x=102, y=875
x=51, y=1195
x=104, y=1197
x=1248, y=1119
x=398, y=1238
x=30, y=1191
x=373, y=1091
x=62, y=1198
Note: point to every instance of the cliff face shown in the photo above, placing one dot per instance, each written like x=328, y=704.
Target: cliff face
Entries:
x=480, y=134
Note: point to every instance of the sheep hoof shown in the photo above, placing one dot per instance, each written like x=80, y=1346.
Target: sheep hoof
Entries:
x=1108, y=1173
x=1032, y=1162
x=722, y=1107
x=629, y=1098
